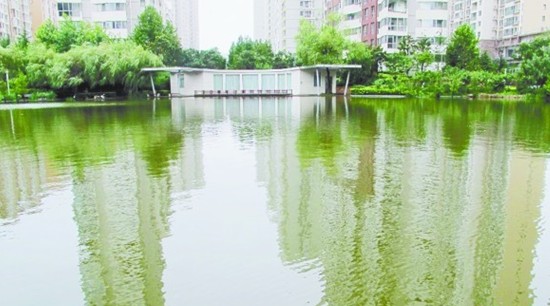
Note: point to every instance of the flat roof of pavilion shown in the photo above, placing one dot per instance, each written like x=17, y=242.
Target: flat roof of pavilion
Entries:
x=197, y=70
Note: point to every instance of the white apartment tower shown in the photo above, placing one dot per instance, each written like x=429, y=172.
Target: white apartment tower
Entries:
x=501, y=25
x=119, y=17
x=15, y=18
x=351, y=17
x=417, y=18
x=187, y=23
x=278, y=21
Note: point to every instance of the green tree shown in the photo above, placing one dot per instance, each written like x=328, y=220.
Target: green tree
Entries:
x=320, y=46
x=360, y=54
x=534, y=70
x=5, y=41
x=406, y=45
x=423, y=55
x=462, y=51
x=69, y=34
x=157, y=37
x=486, y=63
x=246, y=53
x=283, y=59
x=398, y=63
x=111, y=65
x=211, y=59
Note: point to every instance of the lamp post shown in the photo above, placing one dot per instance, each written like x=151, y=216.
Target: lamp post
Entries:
x=8, y=80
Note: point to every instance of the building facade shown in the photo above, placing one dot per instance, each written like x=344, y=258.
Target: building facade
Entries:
x=15, y=18
x=119, y=17
x=418, y=19
x=501, y=25
x=187, y=22
x=278, y=21
x=351, y=13
x=369, y=22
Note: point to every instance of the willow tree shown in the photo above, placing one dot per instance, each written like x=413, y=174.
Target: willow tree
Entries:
x=324, y=45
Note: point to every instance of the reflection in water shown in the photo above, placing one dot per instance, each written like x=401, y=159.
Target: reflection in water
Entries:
x=395, y=218
x=392, y=202
x=121, y=214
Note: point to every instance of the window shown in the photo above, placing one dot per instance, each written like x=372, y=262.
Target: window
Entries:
x=109, y=25
x=181, y=80
x=69, y=9
x=109, y=7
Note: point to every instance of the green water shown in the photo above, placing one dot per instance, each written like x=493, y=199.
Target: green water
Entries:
x=300, y=201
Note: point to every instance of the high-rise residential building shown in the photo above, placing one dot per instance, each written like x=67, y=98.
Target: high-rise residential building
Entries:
x=501, y=25
x=351, y=13
x=482, y=16
x=15, y=18
x=278, y=21
x=119, y=17
x=369, y=22
x=187, y=22
x=42, y=10
x=520, y=21
x=415, y=18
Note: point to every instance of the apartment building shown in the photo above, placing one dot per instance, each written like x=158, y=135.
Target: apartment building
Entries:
x=119, y=17
x=15, y=18
x=187, y=22
x=501, y=25
x=42, y=10
x=351, y=14
x=369, y=30
x=278, y=21
x=419, y=19
x=520, y=21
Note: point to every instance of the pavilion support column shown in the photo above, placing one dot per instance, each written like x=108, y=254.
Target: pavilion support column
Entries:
x=318, y=82
x=347, y=84
x=153, y=84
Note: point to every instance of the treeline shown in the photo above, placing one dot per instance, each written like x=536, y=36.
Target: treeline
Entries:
x=76, y=56
x=428, y=67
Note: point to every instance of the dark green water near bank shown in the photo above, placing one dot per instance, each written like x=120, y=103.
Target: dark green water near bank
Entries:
x=300, y=201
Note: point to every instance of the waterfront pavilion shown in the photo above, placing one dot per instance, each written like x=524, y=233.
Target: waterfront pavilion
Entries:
x=297, y=81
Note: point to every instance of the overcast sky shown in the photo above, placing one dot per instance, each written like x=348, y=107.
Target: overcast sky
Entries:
x=222, y=21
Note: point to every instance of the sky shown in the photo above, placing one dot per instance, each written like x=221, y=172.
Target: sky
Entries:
x=221, y=22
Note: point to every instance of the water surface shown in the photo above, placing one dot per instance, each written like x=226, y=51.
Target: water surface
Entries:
x=301, y=201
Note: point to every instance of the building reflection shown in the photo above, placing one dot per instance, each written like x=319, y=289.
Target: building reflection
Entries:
x=23, y=176
x=396, y=219
x=121, y=213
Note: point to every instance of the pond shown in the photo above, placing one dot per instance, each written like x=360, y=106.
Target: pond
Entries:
x=294, y=201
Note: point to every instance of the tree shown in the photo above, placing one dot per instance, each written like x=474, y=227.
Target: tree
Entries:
x=5, y=41
x=115, y=65
x=320, y=46
x=250, y=54
x=534, y=70
x=423, y=55
x=486, y=63
x=211, y=59
x=462, y=51
x=360, y=54
x=157, y=37
x=398, y=63
x=406, y=45
x=70, y=34
x=283, y=59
